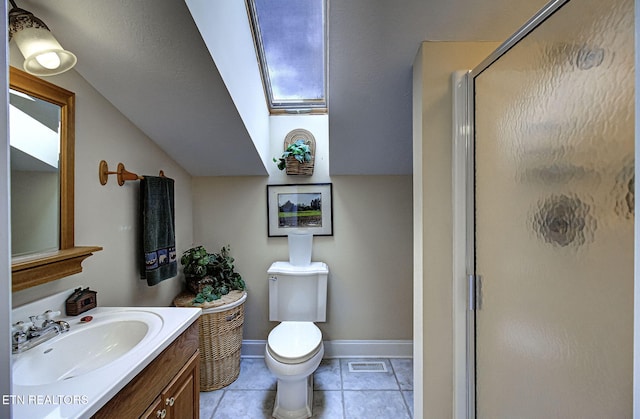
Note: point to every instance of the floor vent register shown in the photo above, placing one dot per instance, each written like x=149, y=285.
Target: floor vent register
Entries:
x=375, y=366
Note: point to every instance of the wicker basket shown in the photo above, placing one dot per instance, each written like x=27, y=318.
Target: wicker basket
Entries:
x=220, y=341
x=293, y=166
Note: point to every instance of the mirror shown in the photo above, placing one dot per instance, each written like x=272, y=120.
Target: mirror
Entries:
x=45, y=250
x=34, y=133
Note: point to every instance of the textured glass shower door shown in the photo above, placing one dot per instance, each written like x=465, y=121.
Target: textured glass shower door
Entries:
x=554, y=188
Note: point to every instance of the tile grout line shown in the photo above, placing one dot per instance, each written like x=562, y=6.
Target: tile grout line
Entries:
x=395, y=375
x=213, y=413
x=404, y=400
x=344, y=408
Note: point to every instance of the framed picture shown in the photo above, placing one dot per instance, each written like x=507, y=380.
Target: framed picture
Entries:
x=306, y=207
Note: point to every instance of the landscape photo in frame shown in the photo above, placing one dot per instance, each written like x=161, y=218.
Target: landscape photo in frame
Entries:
x=295, y=208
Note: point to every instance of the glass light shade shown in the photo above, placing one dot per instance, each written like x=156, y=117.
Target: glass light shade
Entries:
x=43, y=54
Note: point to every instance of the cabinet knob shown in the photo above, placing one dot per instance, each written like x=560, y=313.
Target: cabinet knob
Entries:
x=170, y=402
x=161, y=413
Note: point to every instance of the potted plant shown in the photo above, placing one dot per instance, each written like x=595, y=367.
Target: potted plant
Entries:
x=297, y=158
x=210, y=275
x=220, y=292
x=195, y=262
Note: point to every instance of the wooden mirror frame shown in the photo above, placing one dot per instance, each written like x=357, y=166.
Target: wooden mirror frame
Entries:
x=31, y=270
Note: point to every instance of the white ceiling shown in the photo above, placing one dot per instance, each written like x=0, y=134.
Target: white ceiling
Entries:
x=148, y=59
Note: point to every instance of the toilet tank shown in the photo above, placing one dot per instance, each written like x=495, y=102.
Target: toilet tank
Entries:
x=298, y=293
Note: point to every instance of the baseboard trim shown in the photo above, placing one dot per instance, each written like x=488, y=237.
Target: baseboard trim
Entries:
x=344, y=348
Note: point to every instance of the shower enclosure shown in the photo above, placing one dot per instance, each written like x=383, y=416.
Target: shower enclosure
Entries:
x=551, y=228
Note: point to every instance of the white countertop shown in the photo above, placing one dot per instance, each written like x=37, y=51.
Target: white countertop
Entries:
x=83, y=396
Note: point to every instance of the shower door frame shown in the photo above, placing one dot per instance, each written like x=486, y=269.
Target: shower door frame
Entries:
x=466, y=282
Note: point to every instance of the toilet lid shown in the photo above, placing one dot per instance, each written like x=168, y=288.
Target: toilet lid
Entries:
x=294, y=342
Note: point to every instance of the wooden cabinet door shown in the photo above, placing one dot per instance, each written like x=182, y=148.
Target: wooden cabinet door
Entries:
x=182, y=395
x=155, y=410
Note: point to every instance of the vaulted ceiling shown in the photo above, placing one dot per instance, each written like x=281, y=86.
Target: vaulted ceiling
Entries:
x=148, y=59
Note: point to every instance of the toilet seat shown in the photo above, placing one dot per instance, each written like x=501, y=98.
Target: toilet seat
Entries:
x=294, y=342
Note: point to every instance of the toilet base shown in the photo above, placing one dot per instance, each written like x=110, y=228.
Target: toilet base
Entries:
x=294, y=400
x=294, y=394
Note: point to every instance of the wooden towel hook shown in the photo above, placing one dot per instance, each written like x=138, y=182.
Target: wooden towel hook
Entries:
x=123, y=174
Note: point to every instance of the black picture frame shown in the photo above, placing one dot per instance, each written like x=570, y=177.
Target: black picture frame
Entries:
x=296, y=208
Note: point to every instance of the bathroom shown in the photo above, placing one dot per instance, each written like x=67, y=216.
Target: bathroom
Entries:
x=374, y=295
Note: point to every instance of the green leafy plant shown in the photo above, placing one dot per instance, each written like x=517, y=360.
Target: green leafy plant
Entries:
x=219, y=278
x=195, y=262
x=298, y=150
x=206, y=295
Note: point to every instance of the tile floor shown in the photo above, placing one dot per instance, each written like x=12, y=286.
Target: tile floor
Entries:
x=338, y=393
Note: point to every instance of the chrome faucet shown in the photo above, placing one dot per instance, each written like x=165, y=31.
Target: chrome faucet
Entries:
x=27, y=335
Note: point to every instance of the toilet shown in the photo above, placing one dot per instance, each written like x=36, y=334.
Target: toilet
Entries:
x=297, y=299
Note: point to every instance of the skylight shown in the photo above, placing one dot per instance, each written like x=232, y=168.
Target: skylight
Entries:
x=291, y=45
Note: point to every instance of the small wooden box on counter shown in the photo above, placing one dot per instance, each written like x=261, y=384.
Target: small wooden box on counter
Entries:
x=80, y=301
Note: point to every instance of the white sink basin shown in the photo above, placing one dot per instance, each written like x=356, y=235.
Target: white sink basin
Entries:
x=74, y=374
x=86, y=347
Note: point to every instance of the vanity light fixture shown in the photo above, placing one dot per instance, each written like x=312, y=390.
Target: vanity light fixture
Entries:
x=43, y=54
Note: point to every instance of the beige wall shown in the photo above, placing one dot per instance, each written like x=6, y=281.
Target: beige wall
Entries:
x=107, y=215
x=369, y=255
x=433, y=217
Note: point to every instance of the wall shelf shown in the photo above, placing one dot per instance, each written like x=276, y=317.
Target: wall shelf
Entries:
x=42, y=268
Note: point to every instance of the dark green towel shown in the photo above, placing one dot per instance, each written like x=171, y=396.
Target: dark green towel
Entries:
x=158, y=229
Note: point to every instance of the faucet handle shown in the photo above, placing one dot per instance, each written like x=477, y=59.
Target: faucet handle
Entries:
x=43, y=319
x=21, y=326
x=50, y=315
x=47, y=315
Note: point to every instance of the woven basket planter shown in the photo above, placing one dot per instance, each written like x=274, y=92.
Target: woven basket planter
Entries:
x=293, y=166
x=220, y=339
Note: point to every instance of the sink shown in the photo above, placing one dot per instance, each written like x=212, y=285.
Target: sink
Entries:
x=75, y=373
x=86, y=347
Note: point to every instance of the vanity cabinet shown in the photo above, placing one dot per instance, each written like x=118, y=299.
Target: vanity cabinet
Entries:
x=167, y=388
x=181, y=397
